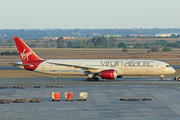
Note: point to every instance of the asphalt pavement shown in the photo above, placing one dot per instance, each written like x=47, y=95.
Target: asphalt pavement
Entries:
x=103, y=103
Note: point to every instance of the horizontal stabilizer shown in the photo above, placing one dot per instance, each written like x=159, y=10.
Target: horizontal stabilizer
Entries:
x=19, y=64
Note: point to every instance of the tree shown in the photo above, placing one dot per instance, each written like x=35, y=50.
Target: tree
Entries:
x=173, y=36
x=141, y=46
x=81, y=44
x=170, y=44
x=91, y=45
x=155, y=49
x=124, y=50
x=166, y=49
x=112, y=42
x=93, y=40
x=51, y=41
x=9, y=53
x=102, y=41
x=37, y=41
x=60, y=42
x=161, y=42
x=178, y=36
x=32, y=45
x=178, y=46
x=15, y=53
x=6, y=53
x=136, y=46
x=146, y=46
x=128, y=36
x=70, y=44
x=121, y=45
x=89, y=41
x=149, y=51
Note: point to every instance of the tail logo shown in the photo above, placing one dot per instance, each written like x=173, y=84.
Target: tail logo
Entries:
x=26, y=55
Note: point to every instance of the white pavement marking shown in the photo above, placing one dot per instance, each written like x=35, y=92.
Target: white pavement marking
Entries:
x=175, y=91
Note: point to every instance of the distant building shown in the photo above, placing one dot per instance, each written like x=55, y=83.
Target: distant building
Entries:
x=108, y=36
x=67, y=37
x=164, y=34
x=139, y=35
x=51, y=38
x=134, y=35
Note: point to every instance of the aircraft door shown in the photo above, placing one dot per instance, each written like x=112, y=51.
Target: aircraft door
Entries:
x=157, y=66
x=43, y=66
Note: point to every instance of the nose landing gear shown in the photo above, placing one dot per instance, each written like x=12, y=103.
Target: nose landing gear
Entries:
x=161, y=78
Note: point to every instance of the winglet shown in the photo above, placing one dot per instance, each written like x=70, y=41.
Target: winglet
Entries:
x=25, y=52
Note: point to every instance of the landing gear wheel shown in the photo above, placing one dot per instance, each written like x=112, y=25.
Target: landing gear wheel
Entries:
x=93, y=79
x=96, y=78
x=88, y=79
x=160, y=79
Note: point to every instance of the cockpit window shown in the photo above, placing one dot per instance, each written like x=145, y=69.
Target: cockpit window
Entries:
x=167, y=65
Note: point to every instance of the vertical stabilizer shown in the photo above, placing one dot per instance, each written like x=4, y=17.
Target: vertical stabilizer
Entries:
x=25, y=52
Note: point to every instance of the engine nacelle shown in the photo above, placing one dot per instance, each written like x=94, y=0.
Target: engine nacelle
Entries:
x=108, y=74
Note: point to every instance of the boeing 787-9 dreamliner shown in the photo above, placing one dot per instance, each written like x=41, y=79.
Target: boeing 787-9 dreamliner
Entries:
x=93, y=68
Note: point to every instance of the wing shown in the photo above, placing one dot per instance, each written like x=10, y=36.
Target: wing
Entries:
x=93, y=70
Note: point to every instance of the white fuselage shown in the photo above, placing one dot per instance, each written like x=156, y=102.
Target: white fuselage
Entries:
x=106, y=69
x=123, y=67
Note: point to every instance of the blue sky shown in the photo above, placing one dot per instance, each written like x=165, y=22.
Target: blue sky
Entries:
x=92, y=14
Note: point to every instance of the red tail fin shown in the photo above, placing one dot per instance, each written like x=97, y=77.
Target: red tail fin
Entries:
x=25, y=52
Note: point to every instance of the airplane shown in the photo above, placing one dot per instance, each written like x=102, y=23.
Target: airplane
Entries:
x=93, y=68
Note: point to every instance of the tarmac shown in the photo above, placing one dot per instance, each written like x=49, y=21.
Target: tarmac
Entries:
x=103, y=102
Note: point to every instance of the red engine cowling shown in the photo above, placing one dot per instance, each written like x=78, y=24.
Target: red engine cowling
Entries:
x=109, y=74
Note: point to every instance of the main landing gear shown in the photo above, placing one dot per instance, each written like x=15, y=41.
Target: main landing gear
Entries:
x=161, y=78
x=92, y=79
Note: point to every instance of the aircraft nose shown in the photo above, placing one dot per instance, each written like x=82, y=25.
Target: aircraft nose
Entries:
x=173, y=70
